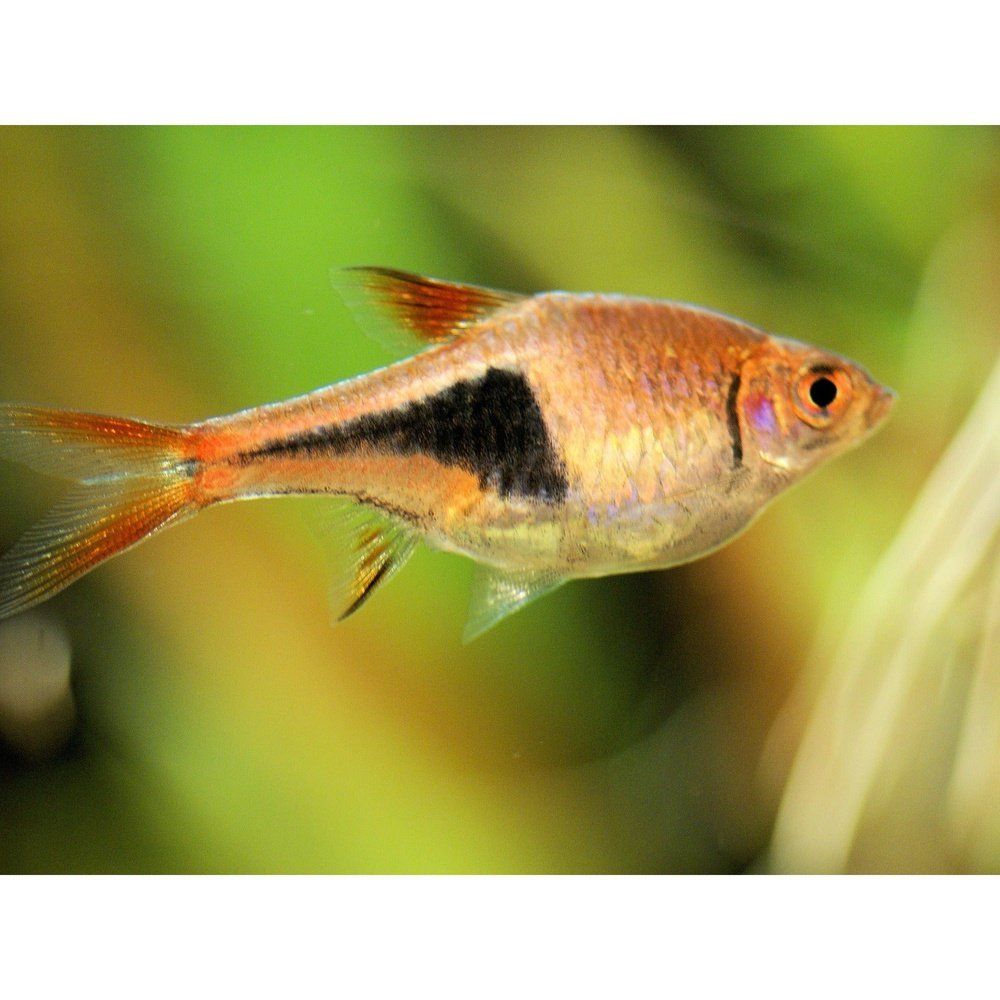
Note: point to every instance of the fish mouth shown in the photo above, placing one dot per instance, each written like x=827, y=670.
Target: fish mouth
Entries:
x=881, y=406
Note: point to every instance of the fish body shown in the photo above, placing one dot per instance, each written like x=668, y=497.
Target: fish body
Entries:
x=545, y=437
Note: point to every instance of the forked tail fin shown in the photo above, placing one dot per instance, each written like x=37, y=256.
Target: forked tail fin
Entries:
x=133, y=478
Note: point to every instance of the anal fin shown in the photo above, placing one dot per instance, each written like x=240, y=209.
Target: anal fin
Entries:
x=498, y=593
x=370, y=548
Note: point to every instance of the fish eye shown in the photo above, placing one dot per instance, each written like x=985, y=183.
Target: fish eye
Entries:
x=823, y=391
x=821, y=395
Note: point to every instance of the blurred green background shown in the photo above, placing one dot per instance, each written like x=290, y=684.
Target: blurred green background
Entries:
x=221, y=724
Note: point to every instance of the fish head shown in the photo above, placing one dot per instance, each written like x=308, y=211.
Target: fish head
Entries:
x=801, y=406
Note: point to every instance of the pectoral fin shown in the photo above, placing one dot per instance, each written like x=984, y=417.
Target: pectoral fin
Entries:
x=499, y=593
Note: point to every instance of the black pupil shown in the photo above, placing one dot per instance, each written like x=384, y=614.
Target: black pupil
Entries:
x=823, y=392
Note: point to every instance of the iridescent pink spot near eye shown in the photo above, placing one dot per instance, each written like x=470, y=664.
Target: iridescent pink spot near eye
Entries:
x=761, y=414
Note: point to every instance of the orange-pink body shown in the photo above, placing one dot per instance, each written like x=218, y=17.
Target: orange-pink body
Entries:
x=547, y=437
x=633, y=395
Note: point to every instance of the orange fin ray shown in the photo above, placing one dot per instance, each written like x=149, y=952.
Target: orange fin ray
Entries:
x=433, y=311
x=134, y=477
x=86, y=527
x=87, y=446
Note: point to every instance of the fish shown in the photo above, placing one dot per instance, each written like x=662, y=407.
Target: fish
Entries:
x=546, y=437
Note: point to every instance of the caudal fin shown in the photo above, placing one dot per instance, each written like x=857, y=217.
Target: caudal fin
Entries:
x=132, y=478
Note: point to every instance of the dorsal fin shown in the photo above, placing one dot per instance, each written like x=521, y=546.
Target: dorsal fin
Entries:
x=434, y=311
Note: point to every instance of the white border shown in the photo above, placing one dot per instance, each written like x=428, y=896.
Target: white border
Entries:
x=437, y=62
x=498, y=937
